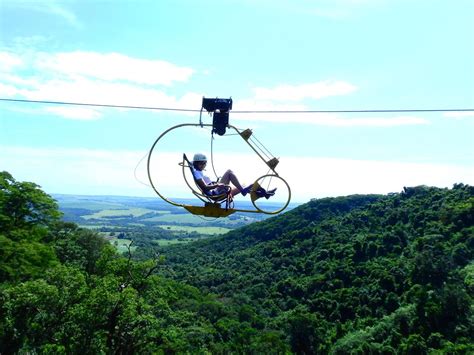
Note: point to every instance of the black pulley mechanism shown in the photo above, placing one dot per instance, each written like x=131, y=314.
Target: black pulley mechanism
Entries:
x=220, y=113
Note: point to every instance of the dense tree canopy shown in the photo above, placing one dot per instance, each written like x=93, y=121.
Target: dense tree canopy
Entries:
x=357, y=274
x=65, y=290
x=25, y=214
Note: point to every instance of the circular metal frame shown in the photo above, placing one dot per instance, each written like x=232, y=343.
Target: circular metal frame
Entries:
x=256, y=183
x=257, y=209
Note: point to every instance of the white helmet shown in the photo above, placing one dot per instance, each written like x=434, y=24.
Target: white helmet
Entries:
x=199, y=157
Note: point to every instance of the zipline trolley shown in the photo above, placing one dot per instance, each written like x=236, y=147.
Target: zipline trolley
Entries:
x=223, y=205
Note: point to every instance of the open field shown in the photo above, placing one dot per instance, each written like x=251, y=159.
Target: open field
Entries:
x=121, y=244
x=135, y=212
x=91, y=203
x=176, y=218
x=200, y=230
x=148, y=221
x=115, y=211
x=166, y=242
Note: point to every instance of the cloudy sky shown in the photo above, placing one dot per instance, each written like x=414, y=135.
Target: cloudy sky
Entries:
x=267, y=55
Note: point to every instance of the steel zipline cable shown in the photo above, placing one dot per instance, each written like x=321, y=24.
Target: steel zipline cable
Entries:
x=236, y=111
x=96, y=105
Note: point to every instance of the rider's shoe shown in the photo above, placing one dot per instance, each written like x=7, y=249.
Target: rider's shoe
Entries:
x=246, y=190
x=269, y=193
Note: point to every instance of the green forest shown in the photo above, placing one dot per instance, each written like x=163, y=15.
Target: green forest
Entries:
x=362, y=274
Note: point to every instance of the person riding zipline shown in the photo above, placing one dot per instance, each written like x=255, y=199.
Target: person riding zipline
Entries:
x=211, y=188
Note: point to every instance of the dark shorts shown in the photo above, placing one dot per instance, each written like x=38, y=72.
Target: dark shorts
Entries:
x=217, y=191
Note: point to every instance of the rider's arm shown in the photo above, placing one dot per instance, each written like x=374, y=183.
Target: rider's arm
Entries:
x=205, y=187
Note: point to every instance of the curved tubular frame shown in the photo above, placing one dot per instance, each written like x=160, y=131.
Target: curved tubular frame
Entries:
x=204, y=198
x=289, y=194
x=193, y=190
x=188, y=207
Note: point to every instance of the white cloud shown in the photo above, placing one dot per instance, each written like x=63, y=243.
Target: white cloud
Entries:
x=95, y=78
x=67, y=170
x=108, y=67
x=9, y=61
x=337, y=177
x=86, y=77
x=8, y=90
x=300, y=92
x=103, y=92
x=86, y=171
x=114, y=67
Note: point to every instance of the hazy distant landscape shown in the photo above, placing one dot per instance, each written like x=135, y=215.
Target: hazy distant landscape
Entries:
x=121, y=219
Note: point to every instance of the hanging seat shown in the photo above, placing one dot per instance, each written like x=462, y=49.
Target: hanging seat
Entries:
x=212, y=203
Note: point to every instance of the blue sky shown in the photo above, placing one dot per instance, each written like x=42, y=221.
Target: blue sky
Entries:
x=267, y=55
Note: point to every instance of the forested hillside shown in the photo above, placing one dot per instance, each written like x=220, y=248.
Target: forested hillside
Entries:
x=358, y=274
x=64, y=289
x=369, y=273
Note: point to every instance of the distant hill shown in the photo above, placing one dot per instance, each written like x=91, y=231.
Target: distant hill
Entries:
x=120, y=211
x=348, y=275
x=360, y=273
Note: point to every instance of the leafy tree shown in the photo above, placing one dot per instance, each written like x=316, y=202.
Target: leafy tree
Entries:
x=378, y=269
x=25, y=214
x=77, y=246
x=23, y=206
x=357, y=274
x=24, y=259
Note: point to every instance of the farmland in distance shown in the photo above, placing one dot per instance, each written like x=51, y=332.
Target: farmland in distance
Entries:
x=146, y=221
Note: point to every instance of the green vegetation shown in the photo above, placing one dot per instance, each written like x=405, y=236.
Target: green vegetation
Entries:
x=146, y=221
x=91, y=203
x=349, y=275
x=64, y=289
x=134, y=212
x=357, y=274
x=166, y=242
x=200, y=230
x=176, y=218
x=122, y=245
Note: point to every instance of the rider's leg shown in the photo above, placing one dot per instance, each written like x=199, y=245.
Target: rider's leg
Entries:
x=230, y=177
